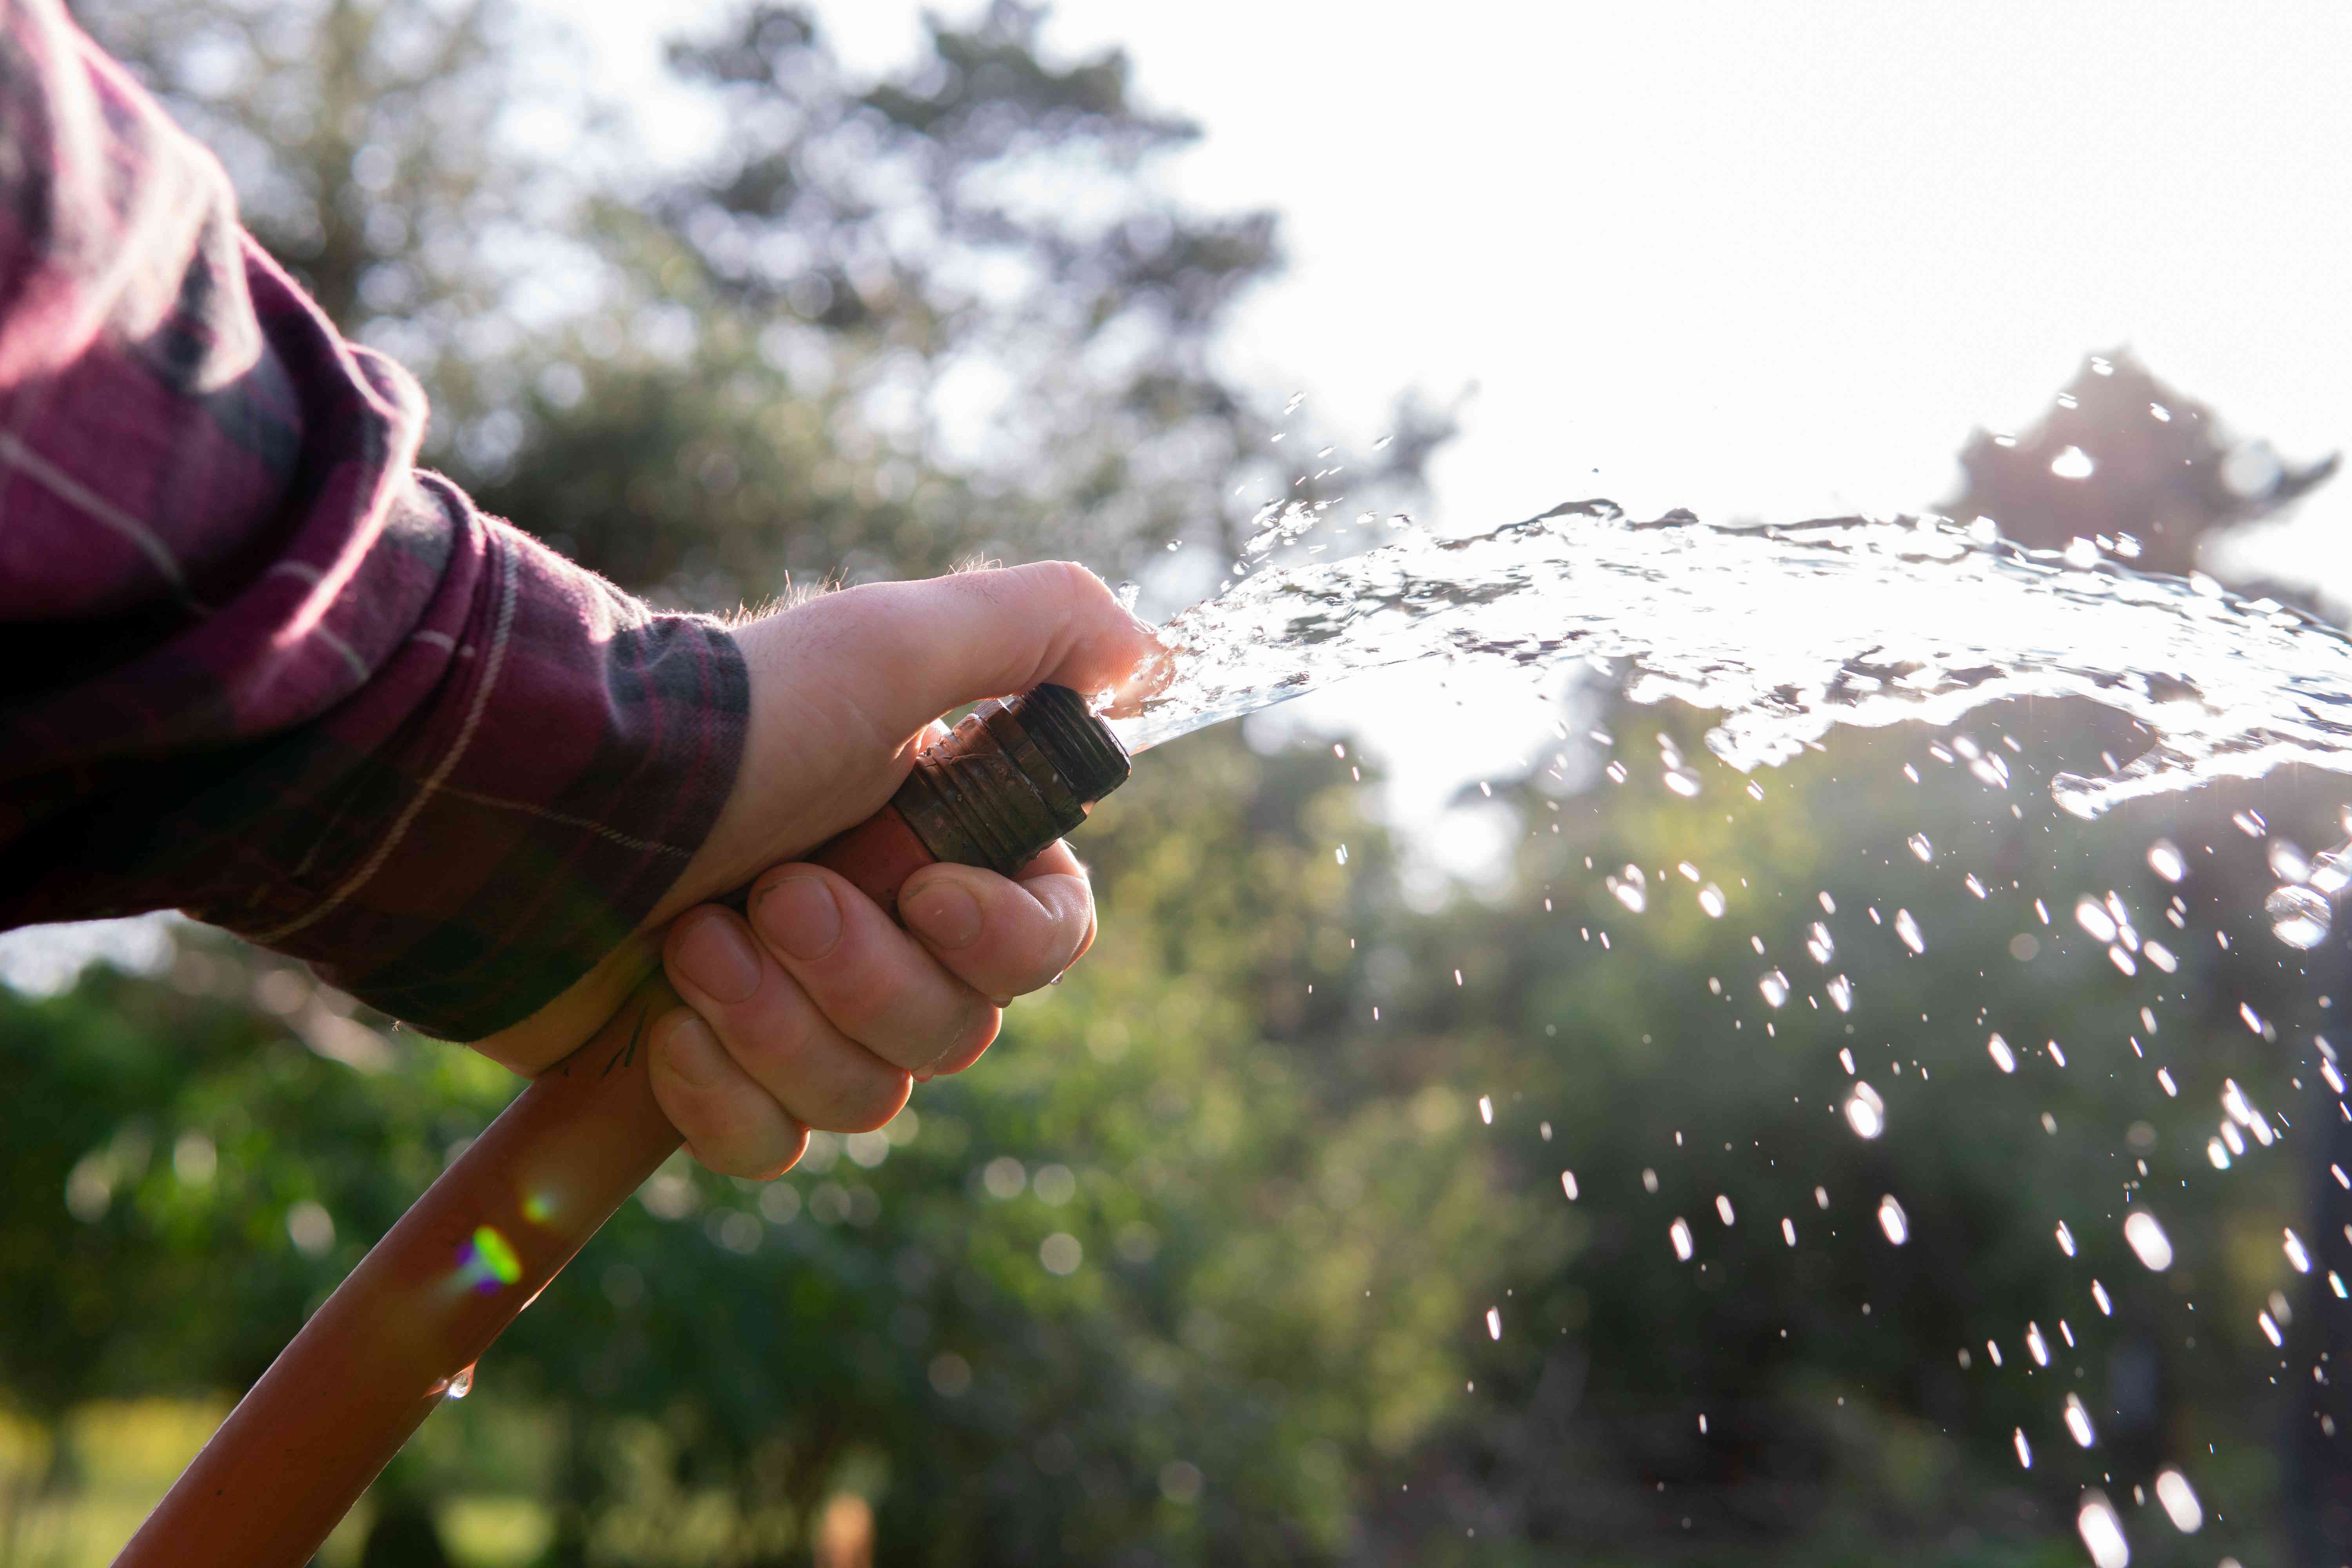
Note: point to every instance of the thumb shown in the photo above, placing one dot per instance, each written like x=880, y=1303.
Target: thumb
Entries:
x=904, y=653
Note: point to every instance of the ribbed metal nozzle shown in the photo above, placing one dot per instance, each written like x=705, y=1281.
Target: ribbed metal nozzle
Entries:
x=1011, y=779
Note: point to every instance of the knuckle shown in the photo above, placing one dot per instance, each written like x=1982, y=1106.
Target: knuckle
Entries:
x=1067, y=579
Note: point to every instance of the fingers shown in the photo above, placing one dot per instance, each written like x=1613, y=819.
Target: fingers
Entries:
x=813, y=1011
x=729, y=1121
x=907, y=652
x=1003, y=937
x=872, y=981
x=772, y=1033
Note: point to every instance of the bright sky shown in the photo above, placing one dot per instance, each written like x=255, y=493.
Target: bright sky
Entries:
x=1763, y=259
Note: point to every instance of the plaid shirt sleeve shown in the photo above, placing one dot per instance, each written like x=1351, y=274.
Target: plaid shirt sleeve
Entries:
x=253, y=664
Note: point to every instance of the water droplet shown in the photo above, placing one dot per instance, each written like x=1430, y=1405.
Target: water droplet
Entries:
x=2073, y=463
x=2179, y=1500
x=1775, y=987
x=1788, y=1231
x=2065, y=1239
x=1908, y=930
x=2296, y=1258
x=2099, y=1294
x=1818, y=943
x=2102, y=1532
x=1682, y=782
x=1341, y=855
x=1722, y=1207
x=1568, y=1185
x=2270, y=1327
x=2025, y=1450
x=463, y=1384
x=2002, y=1057
x=2092, y=917
x=2078, y=1421
x=1680, y=1235
x=1893, y=1220
x=1866, y=1112
x=2216, y=1152
x=2298, y=916
x=2164, y=859
x=1840, y=992
x=1127, y=593
x=1710, y=898
x=2147, y=1240
x=1921, y=848
x=1494, y=1323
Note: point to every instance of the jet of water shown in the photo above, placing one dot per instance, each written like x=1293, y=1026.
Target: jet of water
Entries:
x=1788, y=631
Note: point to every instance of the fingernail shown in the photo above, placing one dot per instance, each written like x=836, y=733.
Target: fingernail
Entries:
x=944, y=911
x=799, y=915
x=691, y=1051
x=715, y=958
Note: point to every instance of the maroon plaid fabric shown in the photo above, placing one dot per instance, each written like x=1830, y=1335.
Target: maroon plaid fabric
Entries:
x=252, y=663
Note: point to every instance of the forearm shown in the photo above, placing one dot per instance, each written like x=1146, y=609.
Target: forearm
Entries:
x=252, y=664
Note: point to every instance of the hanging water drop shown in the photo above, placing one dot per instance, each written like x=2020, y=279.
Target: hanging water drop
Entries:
x=1866, y=1112
x=2298, y=916
x=2073, y=463
x=2179, y=1501
x=2147, y=1240
x=2102, y=1532
x=1908, y=930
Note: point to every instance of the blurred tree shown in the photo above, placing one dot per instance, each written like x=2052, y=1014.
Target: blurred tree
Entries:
x=896, y=326
x=2124, y=460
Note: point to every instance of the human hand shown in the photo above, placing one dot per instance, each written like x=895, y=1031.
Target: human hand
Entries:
x=812, y=1009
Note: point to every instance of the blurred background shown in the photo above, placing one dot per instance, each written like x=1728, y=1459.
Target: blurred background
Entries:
x=1327, y=1213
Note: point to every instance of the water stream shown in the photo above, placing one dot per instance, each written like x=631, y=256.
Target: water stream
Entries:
x=1787, y=631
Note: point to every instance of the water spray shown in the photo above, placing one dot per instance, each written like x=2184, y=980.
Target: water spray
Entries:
x=403, y=1332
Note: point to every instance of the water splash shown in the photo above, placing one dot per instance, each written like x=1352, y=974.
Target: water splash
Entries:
x=1865, y=623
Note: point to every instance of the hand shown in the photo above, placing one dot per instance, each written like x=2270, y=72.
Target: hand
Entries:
x=816, y=1010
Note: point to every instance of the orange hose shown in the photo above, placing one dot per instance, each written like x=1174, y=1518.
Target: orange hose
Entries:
x=429, y=1298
